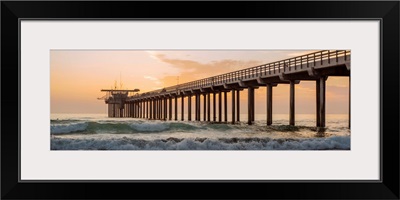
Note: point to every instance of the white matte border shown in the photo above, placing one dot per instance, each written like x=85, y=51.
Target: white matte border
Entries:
x=39, y=163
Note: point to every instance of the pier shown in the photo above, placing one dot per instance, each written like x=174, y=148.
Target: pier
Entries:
x=158, y=104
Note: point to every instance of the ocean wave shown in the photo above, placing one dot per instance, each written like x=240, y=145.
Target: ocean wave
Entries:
x=121, y=127
x=154, y=127
x=68, y=128
x=331, y=143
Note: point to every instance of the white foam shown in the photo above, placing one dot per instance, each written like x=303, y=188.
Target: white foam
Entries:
x=338, y=142
x=150, y=127
x=68, y=128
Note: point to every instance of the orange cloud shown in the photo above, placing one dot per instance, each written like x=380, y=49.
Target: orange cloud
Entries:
x=193, y=70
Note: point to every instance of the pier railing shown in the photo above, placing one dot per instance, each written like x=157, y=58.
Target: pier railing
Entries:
x=265, y=70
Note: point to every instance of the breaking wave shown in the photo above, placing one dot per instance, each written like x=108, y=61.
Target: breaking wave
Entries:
x=124, y=143
x=68, y=128
x=90, y=127
x=130, y=127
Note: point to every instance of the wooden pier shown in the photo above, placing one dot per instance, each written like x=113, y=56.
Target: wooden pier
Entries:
x=157, y=104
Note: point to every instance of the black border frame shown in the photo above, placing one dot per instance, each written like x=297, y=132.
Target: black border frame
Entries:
x=387, y=12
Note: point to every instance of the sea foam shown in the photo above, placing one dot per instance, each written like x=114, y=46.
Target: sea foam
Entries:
x=150, y=127
x=335, y=143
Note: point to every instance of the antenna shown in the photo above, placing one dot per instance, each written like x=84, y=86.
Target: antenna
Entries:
x=177, y=80
x=120, y=81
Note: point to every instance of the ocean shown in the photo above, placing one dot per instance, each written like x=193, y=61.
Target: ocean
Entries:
x=98, y=132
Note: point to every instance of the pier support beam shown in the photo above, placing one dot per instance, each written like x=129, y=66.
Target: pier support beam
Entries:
x=225, y=107
x=134, y=109
x=197, y=110
x=195, y=107
x=150, y=109
x=138, y=104
x=214, y=107
x=250, y=115
x=153, y=116
x=204, y=107
x=238, y=105
x=165, y=108
x=182, y=108
x=269, y=104
x=208, y=107
x=318, y=104
x=190, y=108
x=115, y=113
x=322, y=84
x=143, y=109
x=160, y=109
x=233, y=106
x=157, y=101
x=292, y=103
x=349, y=101
x=124, y=110
x=170, y=108
x=155, y=109
x=220, y=107
x=176, y=108
x=137, y=109
x=198, y=107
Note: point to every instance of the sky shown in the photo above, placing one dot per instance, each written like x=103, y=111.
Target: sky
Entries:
x=77, y=76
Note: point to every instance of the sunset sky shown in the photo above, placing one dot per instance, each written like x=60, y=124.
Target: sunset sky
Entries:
x=76, y=77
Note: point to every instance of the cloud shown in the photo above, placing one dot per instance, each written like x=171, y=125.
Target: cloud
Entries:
x=192, y=70
x=150, y=78
x=299, y=53
x=154, y=79
x=153, y=55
